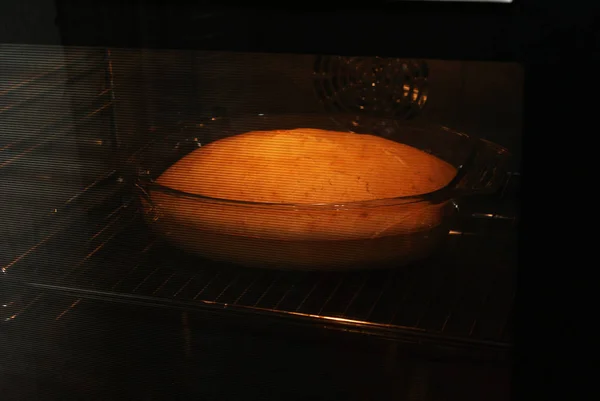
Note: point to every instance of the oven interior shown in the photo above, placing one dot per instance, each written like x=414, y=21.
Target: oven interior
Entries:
x=73, y=121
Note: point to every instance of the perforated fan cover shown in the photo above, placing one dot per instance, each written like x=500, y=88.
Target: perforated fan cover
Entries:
x=371, y=86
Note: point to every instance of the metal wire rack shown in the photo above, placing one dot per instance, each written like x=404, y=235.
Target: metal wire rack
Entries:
x=460, y=298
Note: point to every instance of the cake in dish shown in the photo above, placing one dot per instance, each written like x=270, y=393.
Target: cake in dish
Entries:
x=305, y=197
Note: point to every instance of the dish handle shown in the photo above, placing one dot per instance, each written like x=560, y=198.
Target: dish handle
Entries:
x=150, y=210
x=485, y=190
x=484, y=172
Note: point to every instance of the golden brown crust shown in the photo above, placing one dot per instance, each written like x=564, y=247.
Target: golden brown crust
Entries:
x=307, y=166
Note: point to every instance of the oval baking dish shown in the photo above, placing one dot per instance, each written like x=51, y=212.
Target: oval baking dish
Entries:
x=344, y=234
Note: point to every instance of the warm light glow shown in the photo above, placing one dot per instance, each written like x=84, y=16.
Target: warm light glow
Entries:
x=332, y=318
x=74, y=304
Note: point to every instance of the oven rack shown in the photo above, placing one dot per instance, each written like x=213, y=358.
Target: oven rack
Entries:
x=461, y=299
x=82, y=85
x=35, y=94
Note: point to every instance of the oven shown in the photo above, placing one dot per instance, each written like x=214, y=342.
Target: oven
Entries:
x=91, y=288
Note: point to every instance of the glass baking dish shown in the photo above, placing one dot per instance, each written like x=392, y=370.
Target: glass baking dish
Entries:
x=344, y=235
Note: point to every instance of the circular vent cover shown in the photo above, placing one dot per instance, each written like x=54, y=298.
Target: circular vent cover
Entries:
x=371, y=86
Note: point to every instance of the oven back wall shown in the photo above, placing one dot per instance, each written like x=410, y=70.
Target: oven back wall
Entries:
x=481, y=98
